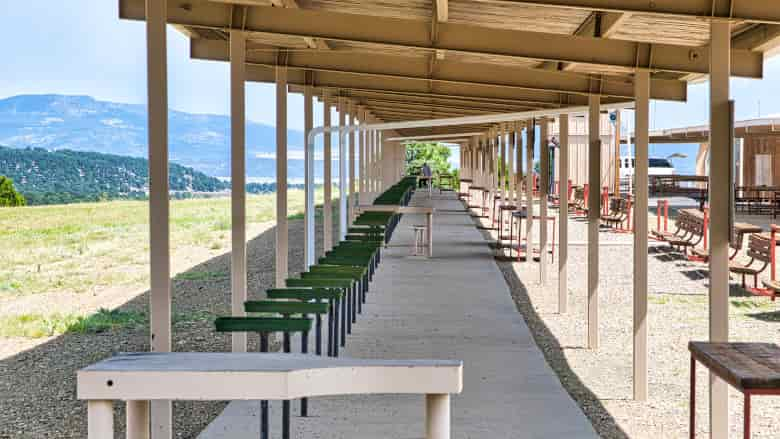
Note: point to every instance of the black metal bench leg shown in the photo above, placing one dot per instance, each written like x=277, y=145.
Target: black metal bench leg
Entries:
x=318, y=335
x=286, y=402
x=330, y=327
x=264, y=404
x=348, y=310
x=343, y=339
x=336, y=313
x=354, y=302
x=360, y=296
x=305, y=350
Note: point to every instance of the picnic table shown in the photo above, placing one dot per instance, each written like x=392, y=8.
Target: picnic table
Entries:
x=209, y=376
x=751, y=368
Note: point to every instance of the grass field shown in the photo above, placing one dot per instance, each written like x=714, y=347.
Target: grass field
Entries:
x=82, y=247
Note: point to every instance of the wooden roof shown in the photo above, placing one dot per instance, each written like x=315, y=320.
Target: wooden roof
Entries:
x=410, y=59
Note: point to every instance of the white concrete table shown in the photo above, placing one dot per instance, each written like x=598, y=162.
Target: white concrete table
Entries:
x=427, y=211
x=138, y=378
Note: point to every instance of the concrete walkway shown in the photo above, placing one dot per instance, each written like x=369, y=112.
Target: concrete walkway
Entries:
x=453, y=306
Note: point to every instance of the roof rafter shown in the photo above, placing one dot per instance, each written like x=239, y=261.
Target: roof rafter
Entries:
x=760, y=11
x=409, y=68
x=451, y=36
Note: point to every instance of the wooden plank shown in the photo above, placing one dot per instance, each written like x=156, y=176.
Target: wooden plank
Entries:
x=746, y=366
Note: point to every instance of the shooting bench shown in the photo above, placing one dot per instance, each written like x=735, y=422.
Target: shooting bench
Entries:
x=751, y=368
x=138, y=378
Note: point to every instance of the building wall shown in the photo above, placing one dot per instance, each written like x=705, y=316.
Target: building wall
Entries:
x=761, y=145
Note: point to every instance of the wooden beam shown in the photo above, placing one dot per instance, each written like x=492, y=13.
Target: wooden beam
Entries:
x=761, y=11
x=452, y=36
x=380, y=66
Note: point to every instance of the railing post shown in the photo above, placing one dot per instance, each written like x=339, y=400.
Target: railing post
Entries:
x=437, y=416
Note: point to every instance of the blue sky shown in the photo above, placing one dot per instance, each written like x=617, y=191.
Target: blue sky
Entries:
x=82, y=47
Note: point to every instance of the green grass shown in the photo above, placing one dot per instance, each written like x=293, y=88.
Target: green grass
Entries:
x=37, y=325
x=92, y=246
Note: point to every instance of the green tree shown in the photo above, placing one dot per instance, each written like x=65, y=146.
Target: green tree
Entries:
x=9, y=197
x=435, y=154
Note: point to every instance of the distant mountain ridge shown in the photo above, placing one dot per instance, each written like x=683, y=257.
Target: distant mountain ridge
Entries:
x=82, y=123
x=65, y=176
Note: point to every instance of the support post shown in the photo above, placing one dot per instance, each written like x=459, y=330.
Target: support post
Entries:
x=641, y=140
x=437, y=416
x=563, y=214
x=281, y=176
x=530, y=139
x=308, y=125
x=137, y=419
x=343, y=195
x=544, y=182
x=594, y=209
x=720, y=212
x=327, y=204
x=238, y=275
x=362, y=158
x=351, y=163
x=518, y=143
x=100, y=417
x=159, y=213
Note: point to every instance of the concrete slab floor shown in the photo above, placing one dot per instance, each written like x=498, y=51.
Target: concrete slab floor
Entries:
x=455, y=305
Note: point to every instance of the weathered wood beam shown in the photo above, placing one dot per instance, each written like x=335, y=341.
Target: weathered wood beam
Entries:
x=446, y=71
x=760, y=11
x=452, y=36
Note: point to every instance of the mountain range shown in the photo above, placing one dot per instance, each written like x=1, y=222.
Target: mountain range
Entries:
x=199, y=141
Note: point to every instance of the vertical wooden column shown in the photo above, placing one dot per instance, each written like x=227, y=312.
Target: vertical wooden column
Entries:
x=594, y=218
x=351, y=120
x=238, y=276
x=136, y=419
x=510, y=165
x=370, y=139
x=281, y=176
x=530, y=139
x=563, y=214
x=309, y=157
x=327, y=191
x=641, y=141
x=616, y=161
x=159, y=214
x=343, y=193
x=518, y=132
x=505, y=164
x=544, y=182
x=362, y=135
x=381, y=162
x=720, y=211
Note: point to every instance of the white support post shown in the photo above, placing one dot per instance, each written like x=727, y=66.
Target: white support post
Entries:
x=518, y=131
x=641, y=140
x=505, y=164
x=563, y=214
x=720, y=212
x=437, y=416
x=137, y=419
x=281, y=176
x=342, y=170
x=238, y=275
x=309, y=218
x=369, y=164
x=544, y=179
x=510, y=133
x=529, y=190
x=594, y=218
x=327, y=204
x=159, y=209
x=351, y=163
x=380, y=172
x=100, y=417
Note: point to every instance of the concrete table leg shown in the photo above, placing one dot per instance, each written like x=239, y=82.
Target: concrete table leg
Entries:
x=138, y=420
x=100, y=419
x=437, y=416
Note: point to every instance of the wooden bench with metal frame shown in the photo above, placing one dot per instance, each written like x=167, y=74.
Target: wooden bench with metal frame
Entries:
x=761, y=251
x=691, y=224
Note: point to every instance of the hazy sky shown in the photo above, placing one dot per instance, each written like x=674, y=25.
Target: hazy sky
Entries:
x=82, y=47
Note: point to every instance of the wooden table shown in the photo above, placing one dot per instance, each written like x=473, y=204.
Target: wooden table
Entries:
x=138, y=378
x=427, y=211
x=751, y=368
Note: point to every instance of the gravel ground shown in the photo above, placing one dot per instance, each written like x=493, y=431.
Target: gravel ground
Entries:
x=600, y=381
x=38, y=388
